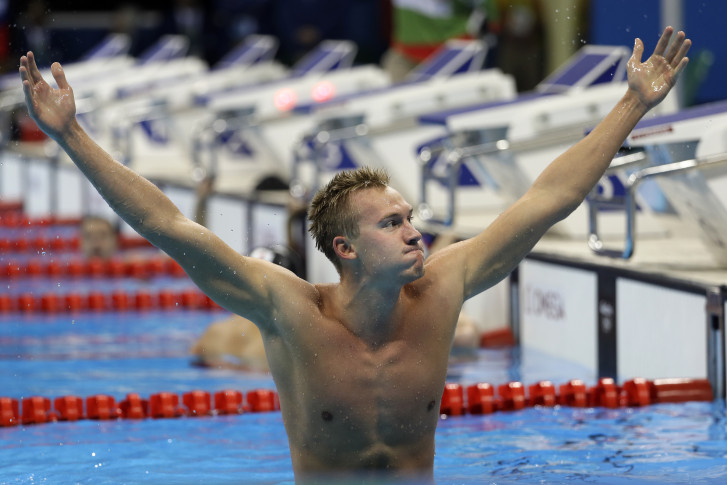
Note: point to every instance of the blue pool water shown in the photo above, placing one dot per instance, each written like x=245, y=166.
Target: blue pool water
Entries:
x=118, y=353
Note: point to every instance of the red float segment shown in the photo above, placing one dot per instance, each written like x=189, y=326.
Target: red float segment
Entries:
x=481, y=399
x=33, y=268
x=75, y=268
x=97, y=301
x=175, y=269
x=501, y=337
x=164, y=405
x=102, y=407
x=168, y=300
x=452, y=400
x=120, y=300
x=637, y=392
x=50, y=303
x=574, y=394
x=511, y=396
x=9, y=412
x=192, y=299
x=198, y=403
x=69, y=408
x=96, y=267
x=134, y=407
x=228, y=402
x=262, y=400
x=542, y=394
x=143, y=300
x=137, y=269
x=116, y=268
x=27, y=303
x=6, y=304
x=73, y=302
x=36, y=409
x=681, y=390
x=53, y=269
x=605, y=394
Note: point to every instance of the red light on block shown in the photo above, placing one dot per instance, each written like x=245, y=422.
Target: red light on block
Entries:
x=285, y=99
x=323, y=91
x=481, y=398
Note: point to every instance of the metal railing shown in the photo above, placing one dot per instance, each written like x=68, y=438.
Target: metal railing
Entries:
x=628, y=201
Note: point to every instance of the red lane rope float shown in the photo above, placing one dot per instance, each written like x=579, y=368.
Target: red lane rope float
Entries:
x=481, y=398
x=116, y=300
x=38, y=409
x=143, y=268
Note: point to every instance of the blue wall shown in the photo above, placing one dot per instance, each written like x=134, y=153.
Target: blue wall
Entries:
x=618, y=22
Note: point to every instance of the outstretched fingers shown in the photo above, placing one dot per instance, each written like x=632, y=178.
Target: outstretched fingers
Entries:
x=680, y=58
x=663, y=41
x=59, y=76
x=674, y=49
x=33, y=71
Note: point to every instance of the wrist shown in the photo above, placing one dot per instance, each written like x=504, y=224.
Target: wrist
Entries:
x=632, y=102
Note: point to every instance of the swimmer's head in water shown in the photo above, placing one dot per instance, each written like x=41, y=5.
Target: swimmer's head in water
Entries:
x=330, y=212
x=99, y=237
x=280, y=255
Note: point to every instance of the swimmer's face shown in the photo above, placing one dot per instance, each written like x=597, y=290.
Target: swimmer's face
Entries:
x=387, y=244
x=98, y=239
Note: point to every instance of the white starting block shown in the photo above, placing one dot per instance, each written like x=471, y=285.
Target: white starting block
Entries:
x=684, y=156
x=380, y=128
x=494, y=152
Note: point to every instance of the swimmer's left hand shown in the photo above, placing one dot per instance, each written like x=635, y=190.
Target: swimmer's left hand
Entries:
x=652, y=80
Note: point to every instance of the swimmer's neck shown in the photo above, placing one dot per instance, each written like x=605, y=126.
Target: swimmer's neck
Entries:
x=368, y=310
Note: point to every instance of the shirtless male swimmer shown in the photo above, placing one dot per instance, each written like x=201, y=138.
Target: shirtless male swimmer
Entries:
x=360, y=365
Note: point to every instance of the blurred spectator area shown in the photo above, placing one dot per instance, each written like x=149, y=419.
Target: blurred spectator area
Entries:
x=214, y=27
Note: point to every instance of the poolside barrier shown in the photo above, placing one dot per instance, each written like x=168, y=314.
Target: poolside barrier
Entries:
x=481, y=399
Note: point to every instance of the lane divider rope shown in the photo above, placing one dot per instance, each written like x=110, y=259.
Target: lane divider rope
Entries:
x=475, y=399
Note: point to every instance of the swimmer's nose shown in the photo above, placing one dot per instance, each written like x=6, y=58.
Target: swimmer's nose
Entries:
x=414, y=237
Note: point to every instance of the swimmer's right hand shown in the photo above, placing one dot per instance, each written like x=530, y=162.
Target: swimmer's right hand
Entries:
x=54, y=110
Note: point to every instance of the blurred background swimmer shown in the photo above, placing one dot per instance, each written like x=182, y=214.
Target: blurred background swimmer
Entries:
x=99, y=237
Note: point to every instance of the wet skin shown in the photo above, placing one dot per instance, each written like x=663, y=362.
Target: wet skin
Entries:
x=360, y=386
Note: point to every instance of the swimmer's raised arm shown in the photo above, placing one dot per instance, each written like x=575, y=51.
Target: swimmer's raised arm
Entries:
x=564, y=184
x=240, y=284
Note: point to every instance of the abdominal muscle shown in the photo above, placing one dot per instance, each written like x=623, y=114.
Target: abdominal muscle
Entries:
x=354, y=409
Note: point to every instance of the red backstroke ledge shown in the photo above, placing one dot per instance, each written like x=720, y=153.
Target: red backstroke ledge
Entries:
x=476, y=399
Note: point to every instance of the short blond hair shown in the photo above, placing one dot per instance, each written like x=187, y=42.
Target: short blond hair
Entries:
x=330, y=213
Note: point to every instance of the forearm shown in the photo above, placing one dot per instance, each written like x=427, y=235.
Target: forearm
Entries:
x=139, y=202
x=574, y=173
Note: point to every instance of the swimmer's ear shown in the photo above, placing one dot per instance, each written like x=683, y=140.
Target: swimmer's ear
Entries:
x=343, y=248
